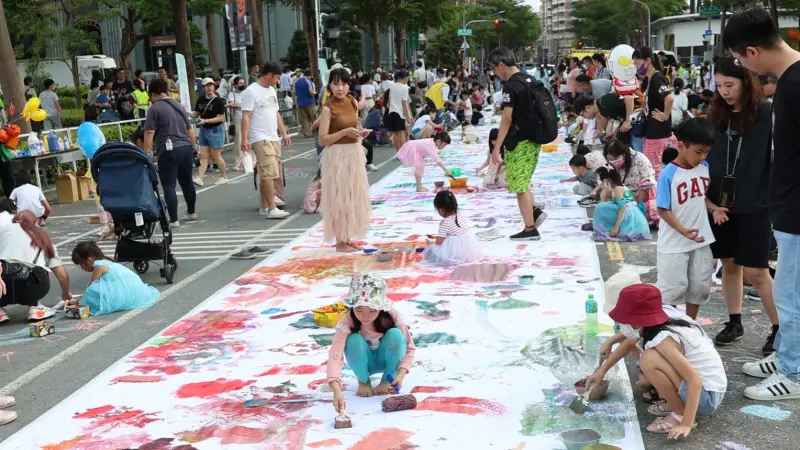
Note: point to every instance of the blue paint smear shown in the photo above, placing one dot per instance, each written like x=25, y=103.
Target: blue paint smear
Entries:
x=766, y=412
x=273, y=311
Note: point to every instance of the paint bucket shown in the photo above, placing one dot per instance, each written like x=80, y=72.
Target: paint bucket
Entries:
x=456, y=172
x=385, y=256
x=458, y=183
x=578, y=439
x=526, y=280
x=598, y=392
x=329, y=316
x=438, y=184
x=601, y=447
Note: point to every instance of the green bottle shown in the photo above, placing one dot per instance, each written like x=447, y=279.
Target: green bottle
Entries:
x=591, y=316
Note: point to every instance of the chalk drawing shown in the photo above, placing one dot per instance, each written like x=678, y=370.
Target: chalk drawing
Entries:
x=766, y=412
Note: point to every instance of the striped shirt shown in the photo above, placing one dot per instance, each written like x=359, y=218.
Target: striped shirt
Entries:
x=448, y=226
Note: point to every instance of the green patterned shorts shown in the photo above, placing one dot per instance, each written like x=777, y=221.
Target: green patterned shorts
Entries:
x=520, y=165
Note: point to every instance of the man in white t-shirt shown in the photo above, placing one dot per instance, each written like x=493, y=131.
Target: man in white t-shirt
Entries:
x=421, y=78
x=399, y=109
x=261, y=123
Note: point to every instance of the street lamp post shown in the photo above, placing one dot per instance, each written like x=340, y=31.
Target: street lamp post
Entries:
x=465, y=26
x=649, y=35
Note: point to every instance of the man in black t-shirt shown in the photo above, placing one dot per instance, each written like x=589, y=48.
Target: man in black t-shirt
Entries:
x=521, y=153
x=752, y=37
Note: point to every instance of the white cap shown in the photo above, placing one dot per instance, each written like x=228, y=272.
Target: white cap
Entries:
x=208, y=81
x=617, y=283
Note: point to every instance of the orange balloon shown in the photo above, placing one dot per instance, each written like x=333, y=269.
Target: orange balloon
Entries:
x=794, y=34
x=12, y=143
x=3, y=135
x=13, y=130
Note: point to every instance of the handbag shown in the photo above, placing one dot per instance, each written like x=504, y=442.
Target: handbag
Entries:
x=19, y=271
x=232, y=130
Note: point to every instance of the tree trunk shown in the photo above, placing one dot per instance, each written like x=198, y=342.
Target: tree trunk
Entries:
x=9, y=75
x=256, y=9
x=309, y=29
x=398, y=45
x=374, y=30
x=773, y=9
x=129, y=40
x=180, y=23
x=723, y=17
x=212, y=43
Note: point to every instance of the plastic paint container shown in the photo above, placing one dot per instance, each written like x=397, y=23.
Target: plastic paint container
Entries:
x=526, y=280
x=370, y=250
x=456, y=172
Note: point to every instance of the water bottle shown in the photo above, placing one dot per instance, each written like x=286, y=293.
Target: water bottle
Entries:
x=168, y=145
x=60, y=144
x=591, y=316
x=33, y=144
x=52, y=141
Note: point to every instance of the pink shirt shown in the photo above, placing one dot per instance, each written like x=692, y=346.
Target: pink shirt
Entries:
x=336, y=353
x=573, y=74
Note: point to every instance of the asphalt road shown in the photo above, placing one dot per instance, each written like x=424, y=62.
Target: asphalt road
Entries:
x=40, y=372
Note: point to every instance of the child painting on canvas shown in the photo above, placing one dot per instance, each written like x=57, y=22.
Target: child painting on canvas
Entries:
x=413, y=154
x=112, y=287
x=495, y=174
x=29, y=197
x=455, y=243
x=373, y=338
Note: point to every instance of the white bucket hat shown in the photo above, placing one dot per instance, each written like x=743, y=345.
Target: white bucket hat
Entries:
x=617, y=283
x=368, y=290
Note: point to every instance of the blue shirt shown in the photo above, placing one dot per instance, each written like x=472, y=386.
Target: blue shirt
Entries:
x=302, y=88
x=102, y=98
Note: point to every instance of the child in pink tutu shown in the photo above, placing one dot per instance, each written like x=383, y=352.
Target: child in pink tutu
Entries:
x=413, y=154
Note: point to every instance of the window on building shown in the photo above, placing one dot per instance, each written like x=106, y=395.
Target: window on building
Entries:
x=669, y=42
x=684, y=54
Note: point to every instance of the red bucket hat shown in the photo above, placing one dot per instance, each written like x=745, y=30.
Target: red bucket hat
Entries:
x=639, y=306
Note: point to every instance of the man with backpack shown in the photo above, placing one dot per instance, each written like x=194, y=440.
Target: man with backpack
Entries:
x=528, y=120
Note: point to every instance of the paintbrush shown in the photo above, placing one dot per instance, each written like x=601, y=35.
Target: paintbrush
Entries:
x=581, y=403
x=255, y=403
x=342, y=421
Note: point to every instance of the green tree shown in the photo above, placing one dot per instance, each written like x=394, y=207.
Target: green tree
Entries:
x=422, y=13
x=442, y=49
x=208, y=9
x=602, y=21
x=149, y=15
x=199, y=51
x=183, y=38
x=350, y=46
x=309, y=31
x=297, y=53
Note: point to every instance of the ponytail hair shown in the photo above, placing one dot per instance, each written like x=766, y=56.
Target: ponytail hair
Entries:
x=85, y=250
x=677, y=83
x=446, y=201
x=608, y=173
x=442, y=136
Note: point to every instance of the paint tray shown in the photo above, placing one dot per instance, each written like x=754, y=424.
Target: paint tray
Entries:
x=330, y=315
x=458, y=183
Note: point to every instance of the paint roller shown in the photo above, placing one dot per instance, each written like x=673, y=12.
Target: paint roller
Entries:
x=399, y=403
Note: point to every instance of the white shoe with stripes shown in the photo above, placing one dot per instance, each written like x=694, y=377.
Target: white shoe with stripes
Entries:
x=776, y=387
x=762, y=368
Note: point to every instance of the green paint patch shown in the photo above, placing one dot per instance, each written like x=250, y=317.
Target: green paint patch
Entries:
x=324, y=340
x=512, y=303
x=424, y=340
x=403, y=185
x=378, y=202
x=552, y=282
x=306, y=321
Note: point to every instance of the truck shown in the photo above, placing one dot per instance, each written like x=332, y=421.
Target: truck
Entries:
x=89, y=66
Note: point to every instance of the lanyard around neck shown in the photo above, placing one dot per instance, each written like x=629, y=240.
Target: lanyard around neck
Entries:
x=728, y=171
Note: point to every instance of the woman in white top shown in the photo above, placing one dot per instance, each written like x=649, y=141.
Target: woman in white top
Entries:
x=368, y=95
x=680, y=104
x=27, y=257
x=235, y=105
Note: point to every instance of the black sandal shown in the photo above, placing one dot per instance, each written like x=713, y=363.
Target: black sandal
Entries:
x=654, y=397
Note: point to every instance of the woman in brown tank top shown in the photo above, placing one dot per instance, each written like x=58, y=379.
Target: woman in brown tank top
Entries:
x=345, y=189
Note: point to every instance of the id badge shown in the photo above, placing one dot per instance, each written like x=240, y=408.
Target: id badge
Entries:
x=727, y=194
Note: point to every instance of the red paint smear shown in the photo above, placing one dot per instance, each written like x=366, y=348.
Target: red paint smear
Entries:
x=169, y=370
x=429, y=389
x=325, y=443
x=462, y=405
x=244, y=435
x=210, y=388
x=135, y=418
x=242, y=290
x=398, y=297
x=92, y=442
x=290, y=437
x=317, y=383
x=288, y=314
x=386, y=438
x=139, y=379
x=287, y=369
x=94, y=412
x=550, y=313
x=560, y=261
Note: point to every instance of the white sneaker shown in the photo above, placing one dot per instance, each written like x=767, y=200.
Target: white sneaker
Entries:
x=221, y=181
x=776, y=387
x=262, y=212
x=7, y=417
x=3, y=318
x=37, y=313
x=277, y=214
x=371, y=168
x=197, y=181
x=7, y=402
x=175, y=224
x=762, y=368
x=191, y=217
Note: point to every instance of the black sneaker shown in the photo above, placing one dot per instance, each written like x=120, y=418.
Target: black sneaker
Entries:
x=526, y=235
x=769, y=346
x=258, y=251
x=539, y=216
x=243, y=255
x=751, y=293
x=719, y=274
x=587, y=202
x=730, y=334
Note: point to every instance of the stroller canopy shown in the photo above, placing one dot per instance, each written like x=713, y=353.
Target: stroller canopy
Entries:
x=127, y=181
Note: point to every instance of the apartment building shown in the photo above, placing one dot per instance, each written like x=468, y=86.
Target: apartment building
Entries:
x=556, y=18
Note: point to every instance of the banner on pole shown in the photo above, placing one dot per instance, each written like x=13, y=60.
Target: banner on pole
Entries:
x=232, y=32
x=183, y=82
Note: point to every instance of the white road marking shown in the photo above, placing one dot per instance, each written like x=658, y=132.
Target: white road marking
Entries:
x=76, y=349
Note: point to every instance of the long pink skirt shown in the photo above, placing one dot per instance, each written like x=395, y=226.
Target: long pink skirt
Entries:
x=345, y=193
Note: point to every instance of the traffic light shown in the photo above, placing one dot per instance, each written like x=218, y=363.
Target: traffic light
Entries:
x=580, y=44
x=496, y=21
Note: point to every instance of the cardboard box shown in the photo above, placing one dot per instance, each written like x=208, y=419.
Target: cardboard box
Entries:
x=84, y=185
x=80, y=312
x=67, y=187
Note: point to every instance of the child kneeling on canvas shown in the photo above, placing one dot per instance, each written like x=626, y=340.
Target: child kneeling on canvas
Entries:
x=113, y=287
x=455, y=243
x=413, y=154
x=678, y=358
x=373, y=338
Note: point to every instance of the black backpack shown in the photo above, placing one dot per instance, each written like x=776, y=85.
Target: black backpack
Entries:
x=540, y=122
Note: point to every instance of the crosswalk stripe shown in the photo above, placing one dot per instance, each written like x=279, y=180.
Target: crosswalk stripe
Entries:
x=249, y=232
x=200, y=247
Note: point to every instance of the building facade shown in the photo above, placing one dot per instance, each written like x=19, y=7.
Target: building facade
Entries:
x=556, y=19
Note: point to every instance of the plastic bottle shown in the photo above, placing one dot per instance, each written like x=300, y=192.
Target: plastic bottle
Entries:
x=591, y=316
x=168, y=145
x=60, y=144
x=33, y=144
x=52, y=141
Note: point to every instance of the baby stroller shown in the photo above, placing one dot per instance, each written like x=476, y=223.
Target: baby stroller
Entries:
x=127, y=184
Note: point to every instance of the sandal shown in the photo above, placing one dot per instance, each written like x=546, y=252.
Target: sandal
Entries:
x=663, y=426
x=659, y=409
x=653, y=396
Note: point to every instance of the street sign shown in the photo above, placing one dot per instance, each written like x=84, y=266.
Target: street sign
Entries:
x=708, y=33
x=464, y=45
x=709, y=11
x=413, y=38
x=464, y=32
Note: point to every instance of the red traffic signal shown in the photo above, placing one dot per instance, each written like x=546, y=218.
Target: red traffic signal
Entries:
x=496, y=21
x=580, y=44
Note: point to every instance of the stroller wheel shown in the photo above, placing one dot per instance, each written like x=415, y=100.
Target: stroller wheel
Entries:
x=169, y=272
x=141, y=266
